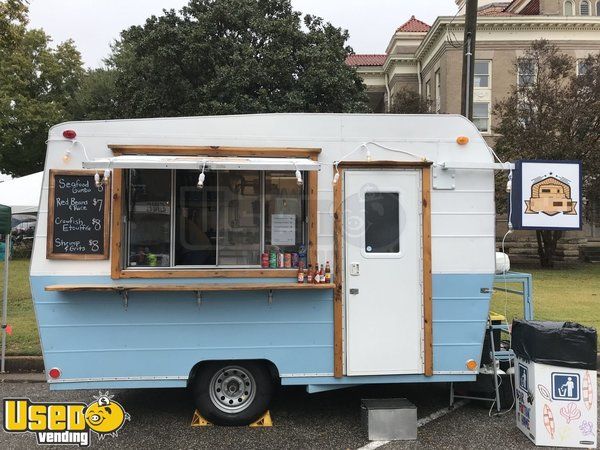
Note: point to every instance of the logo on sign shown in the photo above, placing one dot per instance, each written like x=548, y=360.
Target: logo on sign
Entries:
x=565, y=386
x=523, y=377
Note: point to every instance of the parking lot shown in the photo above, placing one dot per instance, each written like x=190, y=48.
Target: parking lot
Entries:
x=327, y=420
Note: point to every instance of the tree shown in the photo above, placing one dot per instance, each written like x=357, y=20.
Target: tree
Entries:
x=231, y=57
x=37, y=83
x=553, y=113
x=408, y=101
x=96, y=97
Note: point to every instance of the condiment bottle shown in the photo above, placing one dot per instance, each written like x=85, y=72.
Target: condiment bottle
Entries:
x=327, y=273
x=309, y=275
x=300, y=275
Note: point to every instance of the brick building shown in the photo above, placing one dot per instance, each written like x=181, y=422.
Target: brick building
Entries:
x=428, y=59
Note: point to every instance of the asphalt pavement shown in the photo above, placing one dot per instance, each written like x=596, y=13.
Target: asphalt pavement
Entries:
x=162, y=418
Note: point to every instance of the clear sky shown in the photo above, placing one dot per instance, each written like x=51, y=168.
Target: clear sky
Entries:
x=94, y=24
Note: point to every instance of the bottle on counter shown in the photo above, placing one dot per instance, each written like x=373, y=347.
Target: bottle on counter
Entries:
x=300, y=275
x=327, y=273
x=322, y=274
x=309, y=275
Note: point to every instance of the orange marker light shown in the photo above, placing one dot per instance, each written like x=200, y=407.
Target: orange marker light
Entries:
x=462, y=140
x=471, y=364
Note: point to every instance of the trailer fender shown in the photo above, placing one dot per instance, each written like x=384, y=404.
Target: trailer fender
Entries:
x=273, y=370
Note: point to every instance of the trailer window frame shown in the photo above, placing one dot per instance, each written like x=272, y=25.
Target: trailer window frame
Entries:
x=119, y=229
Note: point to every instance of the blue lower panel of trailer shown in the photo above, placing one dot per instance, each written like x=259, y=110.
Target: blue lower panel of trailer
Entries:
x=155, y=342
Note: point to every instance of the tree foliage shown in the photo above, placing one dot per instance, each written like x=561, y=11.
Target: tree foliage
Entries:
x=409, y=101
x=553, y=114
x=96, y=97
x=37, y=85
x=232, y=57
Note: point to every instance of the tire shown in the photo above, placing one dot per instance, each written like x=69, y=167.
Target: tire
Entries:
x=232, y=393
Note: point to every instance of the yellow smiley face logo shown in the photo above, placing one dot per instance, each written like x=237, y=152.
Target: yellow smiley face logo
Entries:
x=105, y=416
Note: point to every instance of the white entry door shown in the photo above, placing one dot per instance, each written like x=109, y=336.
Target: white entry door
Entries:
x=383, y=272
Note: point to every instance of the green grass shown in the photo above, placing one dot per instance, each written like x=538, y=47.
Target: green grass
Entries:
x=25, y=339
x=567, y=294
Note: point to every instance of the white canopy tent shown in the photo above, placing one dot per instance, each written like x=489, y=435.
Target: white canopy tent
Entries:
x=22, y=194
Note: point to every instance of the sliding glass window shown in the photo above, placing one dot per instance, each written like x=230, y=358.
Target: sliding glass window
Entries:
x=230, y=222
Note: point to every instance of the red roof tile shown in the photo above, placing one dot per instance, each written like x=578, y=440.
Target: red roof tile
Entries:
x=366, y=60
x=495, y=9
x=532, y=9
x=414, y=25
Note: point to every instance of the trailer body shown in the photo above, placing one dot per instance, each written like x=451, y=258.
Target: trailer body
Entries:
x=412, y=306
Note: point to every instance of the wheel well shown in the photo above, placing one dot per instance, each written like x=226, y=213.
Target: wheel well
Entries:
x=269, y=364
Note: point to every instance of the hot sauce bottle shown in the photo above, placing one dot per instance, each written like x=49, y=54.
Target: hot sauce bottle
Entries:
x=321, y=275
x=300, y=274
x=327, y=273
x=309, y=275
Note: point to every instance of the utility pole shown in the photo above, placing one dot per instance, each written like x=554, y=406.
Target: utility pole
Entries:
x=466, y=105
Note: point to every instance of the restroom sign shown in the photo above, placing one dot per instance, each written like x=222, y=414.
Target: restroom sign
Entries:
x=546, y=195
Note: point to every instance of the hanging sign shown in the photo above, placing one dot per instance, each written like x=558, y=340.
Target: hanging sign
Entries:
x=546, y=195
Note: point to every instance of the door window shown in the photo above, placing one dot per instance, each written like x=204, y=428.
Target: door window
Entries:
x=382, y=222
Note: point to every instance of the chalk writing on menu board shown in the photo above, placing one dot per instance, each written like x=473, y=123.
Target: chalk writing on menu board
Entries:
x=77, y=216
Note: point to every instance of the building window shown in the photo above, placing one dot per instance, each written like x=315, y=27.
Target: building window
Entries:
x=482, y=74
x=526, y=72
x=569, y=9
x=428, y=94
x=584, y=8
x=234, y=218
x=582, y=67
x=598, y=8
x=438, y=92
x=481, y=116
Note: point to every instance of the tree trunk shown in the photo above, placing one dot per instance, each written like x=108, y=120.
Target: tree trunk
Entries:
x=547, y=241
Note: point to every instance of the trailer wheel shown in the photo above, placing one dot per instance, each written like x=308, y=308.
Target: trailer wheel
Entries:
x=232, y=393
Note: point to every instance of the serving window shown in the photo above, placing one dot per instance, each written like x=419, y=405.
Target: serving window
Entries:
x=164, y=226
x=229, y=223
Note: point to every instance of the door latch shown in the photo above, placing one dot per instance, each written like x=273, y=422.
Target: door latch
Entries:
x=353, y=291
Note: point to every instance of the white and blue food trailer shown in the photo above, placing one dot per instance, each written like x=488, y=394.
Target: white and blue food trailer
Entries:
x=149, y=271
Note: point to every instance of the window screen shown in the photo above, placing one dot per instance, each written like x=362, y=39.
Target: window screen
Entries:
x=382, y=222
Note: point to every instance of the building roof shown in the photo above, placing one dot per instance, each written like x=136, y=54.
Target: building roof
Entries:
x=414, y=25
x=366, y=60
x=532, y=9
x=495, y=9
x=499, y=9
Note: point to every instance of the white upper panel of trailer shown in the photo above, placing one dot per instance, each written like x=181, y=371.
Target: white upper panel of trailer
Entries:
x=463, y=212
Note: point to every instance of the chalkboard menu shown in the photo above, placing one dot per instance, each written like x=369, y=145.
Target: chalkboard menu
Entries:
x=78, y=216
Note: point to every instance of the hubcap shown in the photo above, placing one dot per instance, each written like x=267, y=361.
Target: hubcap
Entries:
x=232, y=389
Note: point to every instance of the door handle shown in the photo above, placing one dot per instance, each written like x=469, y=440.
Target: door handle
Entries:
x=353, y=291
